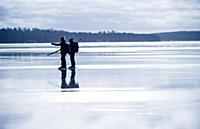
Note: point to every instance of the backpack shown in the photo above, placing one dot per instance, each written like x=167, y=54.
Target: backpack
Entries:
x=76, y=47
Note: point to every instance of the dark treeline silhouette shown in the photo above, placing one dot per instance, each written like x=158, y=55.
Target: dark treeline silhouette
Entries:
x=180, y=36
x=26, y=35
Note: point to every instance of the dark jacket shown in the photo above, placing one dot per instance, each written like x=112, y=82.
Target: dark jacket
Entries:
x=64, y=47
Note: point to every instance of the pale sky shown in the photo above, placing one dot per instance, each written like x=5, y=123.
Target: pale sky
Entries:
x=139, y=16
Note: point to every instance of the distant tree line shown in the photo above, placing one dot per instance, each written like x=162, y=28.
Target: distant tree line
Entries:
x=26, y=35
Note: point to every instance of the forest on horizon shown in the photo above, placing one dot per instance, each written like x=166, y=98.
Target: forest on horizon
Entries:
x=36, y=35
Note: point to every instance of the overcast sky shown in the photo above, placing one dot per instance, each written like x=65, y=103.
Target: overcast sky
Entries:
x=140, y=16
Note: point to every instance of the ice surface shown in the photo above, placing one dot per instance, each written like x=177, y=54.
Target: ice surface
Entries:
x=122, y=85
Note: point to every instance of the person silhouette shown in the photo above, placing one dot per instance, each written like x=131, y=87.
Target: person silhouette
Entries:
x=72, y=52
x=72, y=82
x=64, y=49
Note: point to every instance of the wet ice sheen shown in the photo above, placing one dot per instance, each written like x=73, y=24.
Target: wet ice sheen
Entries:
x=122, y=85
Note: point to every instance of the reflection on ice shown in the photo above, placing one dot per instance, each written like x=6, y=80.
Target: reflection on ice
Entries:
x=72, y=83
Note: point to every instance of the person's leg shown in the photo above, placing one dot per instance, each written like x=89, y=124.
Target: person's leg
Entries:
x=72, y=56
x=63, y=61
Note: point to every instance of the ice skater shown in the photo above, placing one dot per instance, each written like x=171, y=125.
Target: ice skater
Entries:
x=73, y=48
x=64, y=49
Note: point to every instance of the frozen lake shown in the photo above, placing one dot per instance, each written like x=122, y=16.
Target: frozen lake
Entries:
x=122, y=85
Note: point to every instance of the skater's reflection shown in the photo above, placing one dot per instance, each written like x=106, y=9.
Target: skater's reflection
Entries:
x=63, y=79
x=72, y=82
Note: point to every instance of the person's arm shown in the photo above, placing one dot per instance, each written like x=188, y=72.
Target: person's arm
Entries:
x=56, y=44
